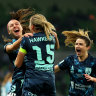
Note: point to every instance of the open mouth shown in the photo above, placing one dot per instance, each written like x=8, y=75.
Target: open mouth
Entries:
x=16, y=31
x=78, y=50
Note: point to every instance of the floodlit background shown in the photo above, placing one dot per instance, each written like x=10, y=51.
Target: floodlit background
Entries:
x=64, y=15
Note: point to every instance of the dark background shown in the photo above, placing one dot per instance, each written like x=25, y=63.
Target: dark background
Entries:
x=64, y=15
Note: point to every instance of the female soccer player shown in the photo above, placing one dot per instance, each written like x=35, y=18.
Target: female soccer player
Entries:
x=11, y=48
x=79, y=66
x=39, y=50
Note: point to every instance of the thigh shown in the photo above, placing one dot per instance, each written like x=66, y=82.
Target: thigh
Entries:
x=32, y=86
x=16, y=87
x=50, y=88
x=37, y=87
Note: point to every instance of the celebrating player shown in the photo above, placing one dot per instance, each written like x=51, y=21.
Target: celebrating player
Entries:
x=11, y=48
x=79, y=66
x=39, y=51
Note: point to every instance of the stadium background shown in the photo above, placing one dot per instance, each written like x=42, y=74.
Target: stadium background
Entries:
x=64, y=15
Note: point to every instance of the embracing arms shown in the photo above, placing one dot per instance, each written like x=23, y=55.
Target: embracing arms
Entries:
x=16, y=44
x=57, y=45
x=19, y=59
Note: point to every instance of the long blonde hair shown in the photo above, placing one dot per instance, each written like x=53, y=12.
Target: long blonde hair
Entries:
x=40, y=22
x=71, y=37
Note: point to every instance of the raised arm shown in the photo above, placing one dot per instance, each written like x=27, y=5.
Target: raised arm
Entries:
x=57, y=45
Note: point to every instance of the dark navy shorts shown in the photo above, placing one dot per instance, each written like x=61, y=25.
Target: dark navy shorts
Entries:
x=16, y=88
x=38, y=87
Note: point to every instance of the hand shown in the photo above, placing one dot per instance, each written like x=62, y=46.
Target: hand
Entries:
x=28, y=34
x=88, y=77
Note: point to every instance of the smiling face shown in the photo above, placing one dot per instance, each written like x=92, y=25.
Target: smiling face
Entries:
x=14, y=28
x=81, y=48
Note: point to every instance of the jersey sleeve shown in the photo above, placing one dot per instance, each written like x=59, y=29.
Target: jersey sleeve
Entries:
x=23, y=46
x=6, y=45
x=64, y=64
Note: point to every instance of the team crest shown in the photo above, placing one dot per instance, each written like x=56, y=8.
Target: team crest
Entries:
x=72, y=69
x=88, y=70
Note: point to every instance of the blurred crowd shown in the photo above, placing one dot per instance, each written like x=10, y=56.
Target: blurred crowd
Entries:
x=6, y=84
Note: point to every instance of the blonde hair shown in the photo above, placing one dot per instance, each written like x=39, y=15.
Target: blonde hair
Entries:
x=72, y=36
x=40, y=22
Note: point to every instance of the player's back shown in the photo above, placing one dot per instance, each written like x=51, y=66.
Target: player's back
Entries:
x=40, y=55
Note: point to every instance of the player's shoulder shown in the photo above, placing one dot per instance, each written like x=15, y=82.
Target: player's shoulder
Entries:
x=92, y=58
x=26, y=38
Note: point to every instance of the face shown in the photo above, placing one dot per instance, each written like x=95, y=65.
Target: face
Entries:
x=80, y=47
x=15, y=28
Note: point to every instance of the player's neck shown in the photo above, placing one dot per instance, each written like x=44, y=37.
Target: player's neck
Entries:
x=83, y=58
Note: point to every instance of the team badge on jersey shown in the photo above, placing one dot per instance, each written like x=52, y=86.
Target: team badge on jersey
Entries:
x=72, y=69
x=88, y=70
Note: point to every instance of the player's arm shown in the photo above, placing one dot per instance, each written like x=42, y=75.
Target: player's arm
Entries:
x=13, y=46
x=90, y=78
x=62, y=65
x=56, y=68
x=20, y=57
x=57, y=45
x=16, y=44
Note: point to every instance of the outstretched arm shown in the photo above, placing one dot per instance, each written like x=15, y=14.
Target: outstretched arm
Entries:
x=89, y=78
x=56, y=68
